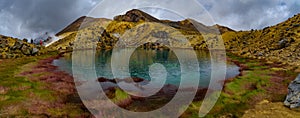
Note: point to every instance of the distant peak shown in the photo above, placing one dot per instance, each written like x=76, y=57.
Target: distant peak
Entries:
x=135, y=10
x=74, y=26
x=136, y=15
x=223, y=29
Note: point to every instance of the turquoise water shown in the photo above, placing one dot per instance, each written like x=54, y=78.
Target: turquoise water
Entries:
x=141, y=60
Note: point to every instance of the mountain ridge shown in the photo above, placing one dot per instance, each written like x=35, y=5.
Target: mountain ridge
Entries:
x=278, y=43
x=136, y=15
x=75, y=25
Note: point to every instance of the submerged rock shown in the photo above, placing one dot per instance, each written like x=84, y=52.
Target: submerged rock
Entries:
x=126, y=80
x=293, y=97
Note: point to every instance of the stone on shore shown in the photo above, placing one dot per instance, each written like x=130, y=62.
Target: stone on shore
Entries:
x=293, y=98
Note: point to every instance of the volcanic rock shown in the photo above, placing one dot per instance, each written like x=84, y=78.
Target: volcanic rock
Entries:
x=26, y=50
x=293, y=97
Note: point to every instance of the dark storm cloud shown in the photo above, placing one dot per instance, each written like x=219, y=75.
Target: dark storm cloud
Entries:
x=251, y=14
x=25, y=18
x=30, y=18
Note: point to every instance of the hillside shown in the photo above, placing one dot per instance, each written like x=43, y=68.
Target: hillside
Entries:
x=105, y=33
x=87, y=21
x=11, y=48
x=279, y=43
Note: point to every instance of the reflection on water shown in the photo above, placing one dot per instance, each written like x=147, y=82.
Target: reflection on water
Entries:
x=141, y=60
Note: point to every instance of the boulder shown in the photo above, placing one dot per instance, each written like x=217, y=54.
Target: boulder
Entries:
x=18, y=45
x=34, y=51
x=260, y=54
x=293, y=98
x=282, y=43
x=26, y=50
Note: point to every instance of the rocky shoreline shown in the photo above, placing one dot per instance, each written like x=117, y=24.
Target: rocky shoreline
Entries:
x=167, y=92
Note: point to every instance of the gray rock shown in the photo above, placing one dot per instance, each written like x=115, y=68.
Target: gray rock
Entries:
x=34, y=51
x=293, y=97
x=10, y=56
x=26, y=50
x=160, y=34
x=3, y=43
x=282, y=43
x=260, y=54
x=18, y=45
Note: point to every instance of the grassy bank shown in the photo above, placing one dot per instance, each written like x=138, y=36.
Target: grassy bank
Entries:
x=22, y=93
x=259, y=81
x=16, y=89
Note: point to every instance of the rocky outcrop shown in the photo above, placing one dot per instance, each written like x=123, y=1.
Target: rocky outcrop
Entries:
x=293, y=97
x=15, y=48
x=166, y=93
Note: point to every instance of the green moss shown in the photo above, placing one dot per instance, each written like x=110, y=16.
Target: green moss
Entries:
x=120, y=96
x=70, y=109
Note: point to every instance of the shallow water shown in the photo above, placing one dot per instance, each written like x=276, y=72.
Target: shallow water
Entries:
x=141, y=60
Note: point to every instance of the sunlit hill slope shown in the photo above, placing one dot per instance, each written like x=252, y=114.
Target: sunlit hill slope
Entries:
x=279, y=43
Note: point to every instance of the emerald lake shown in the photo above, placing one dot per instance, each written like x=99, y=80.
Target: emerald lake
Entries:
x=142, y=59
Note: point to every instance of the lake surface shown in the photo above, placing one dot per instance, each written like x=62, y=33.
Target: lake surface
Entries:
x=142, y=59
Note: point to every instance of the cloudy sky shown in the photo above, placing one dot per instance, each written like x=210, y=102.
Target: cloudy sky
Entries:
x=29, y=18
